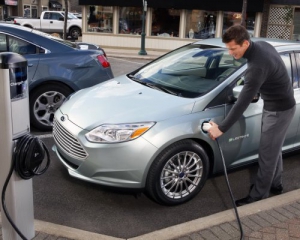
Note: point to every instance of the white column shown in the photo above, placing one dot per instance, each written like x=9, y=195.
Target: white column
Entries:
x=219, y=24
x=182, y=23
x=257, y=25
x=115, y=20
x=148, y=24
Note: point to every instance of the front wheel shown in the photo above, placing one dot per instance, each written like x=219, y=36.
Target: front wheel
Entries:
x=43, y=102
x=178, y=173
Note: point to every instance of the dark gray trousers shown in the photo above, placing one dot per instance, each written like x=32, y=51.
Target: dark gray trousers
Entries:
x=273, y=132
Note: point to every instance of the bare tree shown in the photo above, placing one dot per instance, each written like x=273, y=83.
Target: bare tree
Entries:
x=65, y=20
x=244, y=11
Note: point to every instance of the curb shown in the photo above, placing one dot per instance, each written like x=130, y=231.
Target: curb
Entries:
x=132, y=56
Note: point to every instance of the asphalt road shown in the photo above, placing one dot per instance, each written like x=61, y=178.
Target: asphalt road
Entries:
x=61, y=199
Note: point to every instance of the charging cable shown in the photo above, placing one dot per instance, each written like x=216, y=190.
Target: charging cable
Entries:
x=205, y=127
x=28, y=155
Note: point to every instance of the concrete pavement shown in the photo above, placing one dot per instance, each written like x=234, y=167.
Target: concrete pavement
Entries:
x=277, y=217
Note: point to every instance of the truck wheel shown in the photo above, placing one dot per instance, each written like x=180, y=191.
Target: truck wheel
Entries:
x=43, y=102
x=75, y=32
x=178, y=173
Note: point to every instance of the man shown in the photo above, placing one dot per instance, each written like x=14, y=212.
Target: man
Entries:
x=267, y=75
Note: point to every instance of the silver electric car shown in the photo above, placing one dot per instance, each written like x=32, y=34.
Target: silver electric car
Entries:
x=144, y=129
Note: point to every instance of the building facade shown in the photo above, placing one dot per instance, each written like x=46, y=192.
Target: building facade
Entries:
x=168, y=24
x=28, y=8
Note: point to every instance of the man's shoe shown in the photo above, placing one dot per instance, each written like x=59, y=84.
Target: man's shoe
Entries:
x=277, y=190
x=244, y=201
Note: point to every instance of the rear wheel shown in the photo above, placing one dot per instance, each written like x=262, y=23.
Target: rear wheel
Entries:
x=178, y=173
x=43, y=103
x=75, y=32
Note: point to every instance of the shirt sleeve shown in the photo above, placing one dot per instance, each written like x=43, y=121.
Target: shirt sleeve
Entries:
x=254, y=78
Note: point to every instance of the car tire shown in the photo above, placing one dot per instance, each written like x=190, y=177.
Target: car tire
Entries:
x=178, y=173
x=75, y=32
x=43, y=102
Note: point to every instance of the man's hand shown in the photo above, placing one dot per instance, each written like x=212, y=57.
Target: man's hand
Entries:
x=214, y=131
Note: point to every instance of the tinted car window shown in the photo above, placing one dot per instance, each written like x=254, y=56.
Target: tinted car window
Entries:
x=287, y=62
x=3, y=46
x=189, y=72
x=19, y=46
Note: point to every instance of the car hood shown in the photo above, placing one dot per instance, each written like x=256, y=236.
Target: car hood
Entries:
x=122, y=100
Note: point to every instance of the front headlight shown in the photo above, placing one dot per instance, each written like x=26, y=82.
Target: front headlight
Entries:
x=112, y=133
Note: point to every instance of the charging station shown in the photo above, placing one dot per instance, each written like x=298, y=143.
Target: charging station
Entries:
x=14, y=123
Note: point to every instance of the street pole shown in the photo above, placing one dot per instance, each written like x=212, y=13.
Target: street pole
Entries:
x=143, y=34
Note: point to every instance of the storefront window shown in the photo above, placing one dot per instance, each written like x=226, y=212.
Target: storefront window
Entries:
x=232, y=18
x=200, y=24
x=100, y=19
x=1, y=15
x=27, y=11
x=296, y=34
x=165, y=22
x=130, y=20
x=34, y=11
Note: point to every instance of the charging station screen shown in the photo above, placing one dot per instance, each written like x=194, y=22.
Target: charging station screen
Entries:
x=18, y=83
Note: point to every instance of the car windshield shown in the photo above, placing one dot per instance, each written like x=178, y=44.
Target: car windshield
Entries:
x=190, y=71
x=70, y=16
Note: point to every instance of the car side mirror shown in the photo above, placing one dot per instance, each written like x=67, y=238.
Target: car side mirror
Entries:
x=237, y=91
x=61, y=19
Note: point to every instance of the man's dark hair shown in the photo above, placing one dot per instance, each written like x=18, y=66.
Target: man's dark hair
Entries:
x=238, y=33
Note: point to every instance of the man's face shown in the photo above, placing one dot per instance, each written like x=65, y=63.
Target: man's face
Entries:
x=236, y=50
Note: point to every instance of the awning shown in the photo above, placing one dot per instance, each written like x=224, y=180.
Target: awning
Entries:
x=213, y=5
x=54, y=4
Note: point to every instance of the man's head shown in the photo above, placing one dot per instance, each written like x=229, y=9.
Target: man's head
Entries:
x=237, y=40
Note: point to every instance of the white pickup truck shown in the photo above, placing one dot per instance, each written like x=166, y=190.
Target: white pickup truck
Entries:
x=53, y=22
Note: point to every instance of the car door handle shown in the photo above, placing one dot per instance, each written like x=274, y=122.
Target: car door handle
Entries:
x=30, y=65
x=51, y=21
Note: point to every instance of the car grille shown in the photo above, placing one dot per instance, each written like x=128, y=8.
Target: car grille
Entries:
x=68, y=142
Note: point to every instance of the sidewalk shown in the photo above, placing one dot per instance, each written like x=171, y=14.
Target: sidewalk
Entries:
x=272, y=218
x=132, y=53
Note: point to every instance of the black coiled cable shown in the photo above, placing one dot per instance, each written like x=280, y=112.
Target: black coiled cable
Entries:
x=28, y=156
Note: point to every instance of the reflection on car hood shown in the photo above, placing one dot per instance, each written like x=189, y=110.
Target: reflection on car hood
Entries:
x=121, y=100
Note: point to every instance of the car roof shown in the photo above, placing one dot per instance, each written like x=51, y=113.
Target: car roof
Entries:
x=29, y=35
x=217, y=42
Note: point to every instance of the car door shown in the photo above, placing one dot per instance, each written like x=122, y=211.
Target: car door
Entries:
x=26, y=49
x=296, y=86
x=241, y=142
x=56, y=25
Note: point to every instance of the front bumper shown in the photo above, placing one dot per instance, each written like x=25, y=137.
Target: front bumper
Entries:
x=120, y=165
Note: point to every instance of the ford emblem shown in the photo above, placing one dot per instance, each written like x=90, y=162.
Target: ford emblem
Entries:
x=62, y=118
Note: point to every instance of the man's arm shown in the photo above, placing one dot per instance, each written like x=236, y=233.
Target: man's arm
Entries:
x=253, y=81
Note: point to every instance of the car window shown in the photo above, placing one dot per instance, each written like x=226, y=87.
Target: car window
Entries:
x=287, y=62
x=46, y=15
x=21, y=47
x=53, y=16
x=296, y=78
x=3, y=45
x=189, y=72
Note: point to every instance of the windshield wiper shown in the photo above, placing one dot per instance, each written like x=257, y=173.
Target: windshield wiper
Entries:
x=154, y=86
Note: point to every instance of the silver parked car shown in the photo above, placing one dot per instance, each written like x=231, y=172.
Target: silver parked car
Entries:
x=144, y=129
